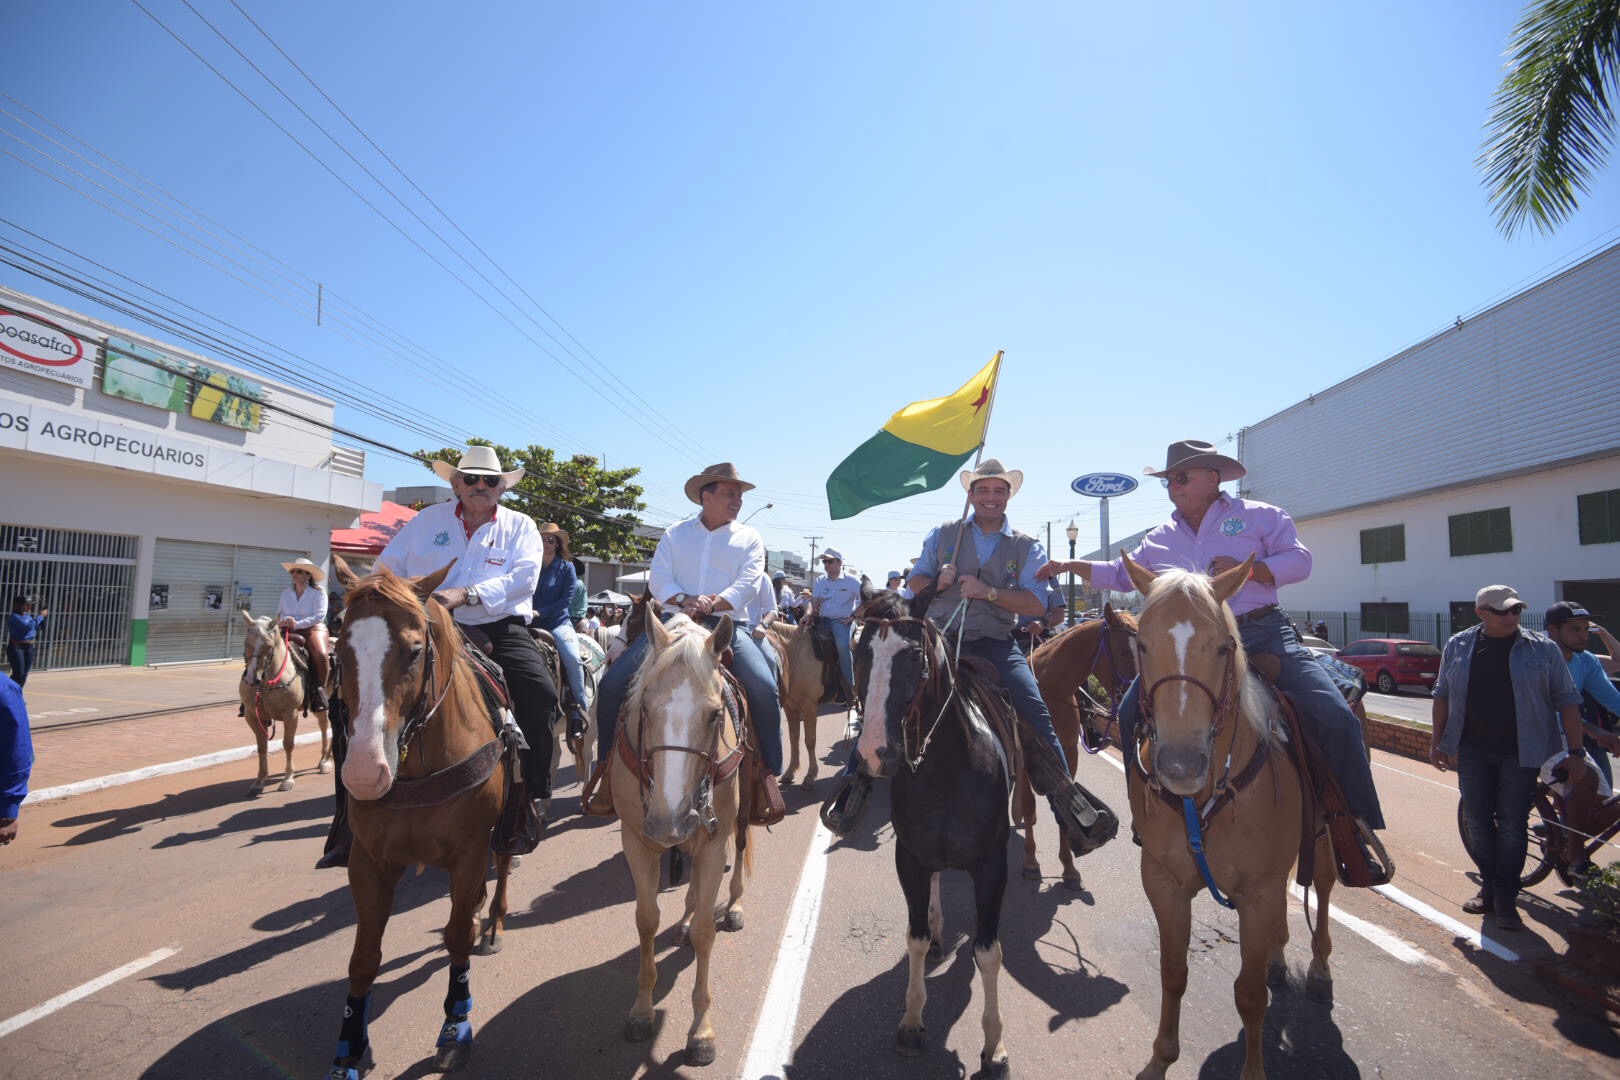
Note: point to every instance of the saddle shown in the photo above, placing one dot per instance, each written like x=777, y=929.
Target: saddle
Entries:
x=298, y=648
x=825, y=647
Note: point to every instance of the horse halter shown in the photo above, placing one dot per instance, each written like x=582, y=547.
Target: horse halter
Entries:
x=936, y=673
x=716, y=768
x=421, y=712
x=264, y=651
x=1222, y=704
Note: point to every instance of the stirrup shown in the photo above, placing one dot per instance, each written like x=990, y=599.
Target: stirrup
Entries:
x=1380, y=867
x=841, y=812
x=1086, y=821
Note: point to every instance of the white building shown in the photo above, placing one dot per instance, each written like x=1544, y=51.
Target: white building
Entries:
x=1488, y=454
x=148, y=493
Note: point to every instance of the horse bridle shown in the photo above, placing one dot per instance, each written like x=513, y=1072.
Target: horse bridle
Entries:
x=421, y=711
x=716, y=768
x=1222, y=704
x=937, y=675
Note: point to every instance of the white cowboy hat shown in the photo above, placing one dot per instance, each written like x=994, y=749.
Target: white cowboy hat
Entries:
x=725, y=471
x=477, y=461
x=315, y=572
x=992, y=469
x=1192, y=454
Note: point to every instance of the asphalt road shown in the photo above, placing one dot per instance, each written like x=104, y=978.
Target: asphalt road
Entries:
x=254, y=984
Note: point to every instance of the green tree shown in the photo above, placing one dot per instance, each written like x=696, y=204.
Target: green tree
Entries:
x=598, y=507
x=1552, y=123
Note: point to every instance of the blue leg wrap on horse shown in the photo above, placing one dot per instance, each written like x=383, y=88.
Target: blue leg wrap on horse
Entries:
x=458, y=1000
x=352, y=1038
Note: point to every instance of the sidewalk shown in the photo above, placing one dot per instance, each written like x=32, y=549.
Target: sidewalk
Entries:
x=74, y=696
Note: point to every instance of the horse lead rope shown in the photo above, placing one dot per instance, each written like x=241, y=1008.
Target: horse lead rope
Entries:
x=1195, y=842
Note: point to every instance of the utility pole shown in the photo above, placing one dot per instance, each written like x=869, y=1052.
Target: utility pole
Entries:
x=810, y=571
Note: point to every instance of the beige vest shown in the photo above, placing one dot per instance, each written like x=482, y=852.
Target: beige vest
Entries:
x=983, y=619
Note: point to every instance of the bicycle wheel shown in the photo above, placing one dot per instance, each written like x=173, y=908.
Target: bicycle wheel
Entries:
x=1541, y=855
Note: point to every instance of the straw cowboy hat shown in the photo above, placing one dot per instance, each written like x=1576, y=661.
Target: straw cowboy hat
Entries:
x=1192, y=454
x=477, y=461
x=562, y=537
x=315, y=573
x=992, y=470
x=725, y=471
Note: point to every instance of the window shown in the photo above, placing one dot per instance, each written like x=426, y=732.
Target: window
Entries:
x=1481, y=532
x=1462, y=615
x=1416, y=648
x=1599, y=514
x=1384, y=544
x=1385, y=620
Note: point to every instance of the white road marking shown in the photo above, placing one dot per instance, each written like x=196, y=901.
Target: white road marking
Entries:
x=203, y=761
x=771, y=1049
x=1414, y=776
x=60, y=1001
x=1400, y=950
x=1440, y=918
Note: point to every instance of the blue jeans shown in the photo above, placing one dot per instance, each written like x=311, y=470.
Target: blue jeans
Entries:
x=846, y=663
x=747, y=663
x=1497, y=793
x=1334, y=727
x=21, y=657
x=573, y=667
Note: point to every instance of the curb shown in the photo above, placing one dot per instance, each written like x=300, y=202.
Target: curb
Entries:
x=168, y=768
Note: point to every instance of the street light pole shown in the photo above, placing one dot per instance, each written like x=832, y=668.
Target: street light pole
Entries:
x=1073, y=533
x=750, y=517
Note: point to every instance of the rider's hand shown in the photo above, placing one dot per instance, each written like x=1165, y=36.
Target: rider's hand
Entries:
x=1442, y=761
x=974, y=589
x=287, y=623
x=947, y=577
x=1051, y=570
x=453, y=597
x=1575, y=766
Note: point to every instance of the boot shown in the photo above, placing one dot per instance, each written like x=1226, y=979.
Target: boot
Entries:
x=320, y=699
x=576, y=721
x=321, y=668
x=599, y=803
x=338, y=841
x=1085, y=819
x=843, y=811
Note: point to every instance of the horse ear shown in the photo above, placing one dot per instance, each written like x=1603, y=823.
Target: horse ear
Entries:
x=1140, y=576
x=426, y=586
x=655, y=629
x=249, y=620
x=1109, y=616
x=1227, y=584
x=720, y=636
x=346, y=577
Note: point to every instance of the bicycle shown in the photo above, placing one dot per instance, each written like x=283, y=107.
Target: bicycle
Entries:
x=1547, y=836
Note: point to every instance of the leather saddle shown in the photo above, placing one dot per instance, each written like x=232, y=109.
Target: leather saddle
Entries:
x=825, y=647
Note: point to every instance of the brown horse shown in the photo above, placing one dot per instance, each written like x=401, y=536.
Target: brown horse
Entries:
x=1212, y=754
x=802, y=691
x=675, y=780
x=426, y=783
x=1099, y=649
x=272, y=691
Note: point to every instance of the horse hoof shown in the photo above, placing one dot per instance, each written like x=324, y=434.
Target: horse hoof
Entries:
x=1319, y=988
x=810, y=780
x=995, y=1068
x=910, y=1041
x=490, y=946
x=734, y=921
x=787, y=777
x=638, y=1029
x=286, y=785
x=936, y=952
x=1276, y=973
x=1031, y=873
x=452, y=1056
x=700, y=1052
x=1073, y=884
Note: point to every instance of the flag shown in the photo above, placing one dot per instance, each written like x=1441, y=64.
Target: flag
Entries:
x=918, y=450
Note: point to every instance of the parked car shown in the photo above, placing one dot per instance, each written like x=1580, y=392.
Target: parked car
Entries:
x=1390, y=663
x=1319, y=646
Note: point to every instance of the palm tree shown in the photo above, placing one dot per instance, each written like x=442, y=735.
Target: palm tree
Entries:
x=1551, y=125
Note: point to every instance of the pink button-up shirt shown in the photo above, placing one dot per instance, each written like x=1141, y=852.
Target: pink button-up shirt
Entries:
x=1236, y=528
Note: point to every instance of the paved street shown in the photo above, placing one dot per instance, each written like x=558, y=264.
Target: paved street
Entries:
x=245, y=948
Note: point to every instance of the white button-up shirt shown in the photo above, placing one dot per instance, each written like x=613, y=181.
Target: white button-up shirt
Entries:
x=305, y=611
x=500, y=562
x=763, y=603
x=727, y=562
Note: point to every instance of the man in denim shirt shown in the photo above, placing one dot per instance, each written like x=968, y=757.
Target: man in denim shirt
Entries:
x=1504, y=703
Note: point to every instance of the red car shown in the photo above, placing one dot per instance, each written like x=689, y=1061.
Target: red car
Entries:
x=1390, y=663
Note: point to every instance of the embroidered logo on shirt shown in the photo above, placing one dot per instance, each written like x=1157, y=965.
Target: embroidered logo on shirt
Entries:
x=495, y=560
x=1232, y=526
x=442, y=540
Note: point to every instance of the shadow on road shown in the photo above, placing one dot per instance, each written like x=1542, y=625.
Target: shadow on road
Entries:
x=1042, y=952
x=269, y=811
x=1301, y=1039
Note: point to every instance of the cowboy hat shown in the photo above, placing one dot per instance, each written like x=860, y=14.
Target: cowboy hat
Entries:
x=1192, y=454
x=301, y=563
x=553, y=527
x=477, y=461
x=992, y=469
x=725, y=471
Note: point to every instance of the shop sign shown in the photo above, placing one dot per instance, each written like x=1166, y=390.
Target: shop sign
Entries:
x=1101, y=485
x=53, y=348
x=227, y=399
x=136, y=373
x=24, y=426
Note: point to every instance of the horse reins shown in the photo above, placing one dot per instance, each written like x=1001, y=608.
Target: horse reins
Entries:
x=1114, y=691
x=936, y=675
x=282, y=677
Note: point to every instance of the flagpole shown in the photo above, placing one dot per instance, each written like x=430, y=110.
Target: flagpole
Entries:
x=984, y=437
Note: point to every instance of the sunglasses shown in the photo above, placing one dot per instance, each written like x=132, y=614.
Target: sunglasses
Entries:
x=1179, y=479
x=473, y=481
x=1510, y=611
x=550, y=541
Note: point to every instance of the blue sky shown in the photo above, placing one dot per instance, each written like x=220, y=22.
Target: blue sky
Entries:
x=779, y=223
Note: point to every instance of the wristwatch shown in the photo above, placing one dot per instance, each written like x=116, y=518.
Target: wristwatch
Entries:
x=993, y=595
x=473, y=599
x=677, y=600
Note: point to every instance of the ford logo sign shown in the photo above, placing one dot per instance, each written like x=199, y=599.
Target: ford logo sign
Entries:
x=1100, y=485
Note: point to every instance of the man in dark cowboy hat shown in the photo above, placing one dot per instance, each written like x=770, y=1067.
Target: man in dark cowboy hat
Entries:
x=706, y=566
x=984, y=572
x=1212, y=532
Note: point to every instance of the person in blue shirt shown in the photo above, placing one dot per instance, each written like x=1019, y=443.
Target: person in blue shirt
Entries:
x=1570, y=625
x=16, y=757
x=22, y=629
x=553, y=601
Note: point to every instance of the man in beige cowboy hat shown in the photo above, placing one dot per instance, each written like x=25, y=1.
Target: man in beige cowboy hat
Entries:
x=1211, y=532
x=705, y=566
x=303, y=611
x=982, y=573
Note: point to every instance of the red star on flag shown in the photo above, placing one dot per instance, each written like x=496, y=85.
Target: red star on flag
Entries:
x=984, y=396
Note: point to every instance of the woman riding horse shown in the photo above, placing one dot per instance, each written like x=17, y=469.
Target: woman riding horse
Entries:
x=303, y=611
x=553, y=599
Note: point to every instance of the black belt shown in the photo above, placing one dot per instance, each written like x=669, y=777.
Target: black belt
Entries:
x=1259, y=612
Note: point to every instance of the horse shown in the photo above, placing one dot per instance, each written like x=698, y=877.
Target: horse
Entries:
x=677, y=781
x=272, y=692
x=803, y=676
x=426, y=779
x=1099, y=648
x=951, y=781
x=1214, y=739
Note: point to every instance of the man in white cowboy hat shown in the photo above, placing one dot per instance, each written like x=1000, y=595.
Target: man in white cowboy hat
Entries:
x=498, y=553
x=303, y=611
x=983, y=573
x=704, y=567
x=834, y=599
x=1212, y=532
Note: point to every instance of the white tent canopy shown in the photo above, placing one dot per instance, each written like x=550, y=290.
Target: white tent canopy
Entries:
x=608, y=596
x=638, y=578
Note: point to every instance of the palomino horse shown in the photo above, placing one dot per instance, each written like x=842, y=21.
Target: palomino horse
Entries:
x=802, y=692
x=676, y=782
x=951, y=779
x=1062, y=666
x=426, y=782
x=1212, y=760
x=272, y=691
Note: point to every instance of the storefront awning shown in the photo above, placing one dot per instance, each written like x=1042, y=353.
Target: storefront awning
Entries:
x=374, y=531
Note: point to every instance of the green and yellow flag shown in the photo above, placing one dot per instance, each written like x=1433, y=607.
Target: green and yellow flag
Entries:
x=918, y=450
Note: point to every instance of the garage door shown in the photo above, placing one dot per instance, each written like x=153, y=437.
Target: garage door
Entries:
x=197, y=590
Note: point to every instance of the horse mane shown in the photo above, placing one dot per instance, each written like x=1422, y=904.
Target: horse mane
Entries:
x=885, y=605
x=689, y=648
x=1199, y=591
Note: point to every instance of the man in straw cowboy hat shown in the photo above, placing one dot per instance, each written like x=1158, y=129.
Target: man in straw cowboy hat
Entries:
x=983, y=571
x=303, y=611
x=498, y=555
x=705, y=566
x=1211, y=532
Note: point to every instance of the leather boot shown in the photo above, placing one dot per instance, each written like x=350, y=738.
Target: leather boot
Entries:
x=321, y=668
x=843, y=811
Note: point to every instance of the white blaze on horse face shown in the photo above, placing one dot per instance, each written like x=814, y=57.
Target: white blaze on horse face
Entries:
x=366, y=770
x=1182, y=634
x=682, y=724
x=875, y=731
